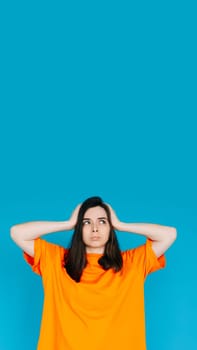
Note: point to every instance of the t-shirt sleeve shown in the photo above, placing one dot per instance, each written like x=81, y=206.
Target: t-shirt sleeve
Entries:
x=45, y=254
x=146, y=260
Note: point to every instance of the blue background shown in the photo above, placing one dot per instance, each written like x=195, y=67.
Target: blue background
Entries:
x=99, y=98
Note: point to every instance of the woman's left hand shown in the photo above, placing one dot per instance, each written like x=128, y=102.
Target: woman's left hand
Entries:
x=115, y=221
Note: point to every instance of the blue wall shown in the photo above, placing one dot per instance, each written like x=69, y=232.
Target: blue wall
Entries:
x=99, y=98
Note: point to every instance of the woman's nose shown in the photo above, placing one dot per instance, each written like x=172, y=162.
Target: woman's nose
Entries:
x=95, y=227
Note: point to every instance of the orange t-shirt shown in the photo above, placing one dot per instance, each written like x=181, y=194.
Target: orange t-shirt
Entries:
x=105, y=310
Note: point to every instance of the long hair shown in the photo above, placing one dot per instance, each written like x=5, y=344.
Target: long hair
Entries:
x=75, y=258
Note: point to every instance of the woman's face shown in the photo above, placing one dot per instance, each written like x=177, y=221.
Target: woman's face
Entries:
x=96, y=229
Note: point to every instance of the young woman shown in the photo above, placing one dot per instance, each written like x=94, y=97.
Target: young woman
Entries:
x=93, y=292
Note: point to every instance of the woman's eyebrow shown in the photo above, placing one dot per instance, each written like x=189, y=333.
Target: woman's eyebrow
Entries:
x=98, y=218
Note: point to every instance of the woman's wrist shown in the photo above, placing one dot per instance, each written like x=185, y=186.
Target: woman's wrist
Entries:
x=68, y=225
x=118, y=225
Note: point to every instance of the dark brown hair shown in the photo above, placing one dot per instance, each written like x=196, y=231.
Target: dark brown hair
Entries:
x=75, y=258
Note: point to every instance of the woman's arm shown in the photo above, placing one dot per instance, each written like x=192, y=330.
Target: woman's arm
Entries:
x=25, y=233
x=31, y=230
x=34, y=229
x=162, y=236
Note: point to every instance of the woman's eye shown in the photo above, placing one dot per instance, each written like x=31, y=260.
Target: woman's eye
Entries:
x=103, y=221
x=86, y=222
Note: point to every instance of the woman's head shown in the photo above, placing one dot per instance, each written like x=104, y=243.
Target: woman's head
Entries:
x=93, y=234
x=94, y=225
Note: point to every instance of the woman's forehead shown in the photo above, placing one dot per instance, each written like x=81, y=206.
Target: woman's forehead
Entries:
x=95, y=212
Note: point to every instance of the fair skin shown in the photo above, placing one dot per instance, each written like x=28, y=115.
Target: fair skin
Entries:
x=95, y=230
x=162, y=236
x=24, y=234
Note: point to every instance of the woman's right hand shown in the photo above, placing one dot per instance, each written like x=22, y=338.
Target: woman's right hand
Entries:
x=74, y=216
